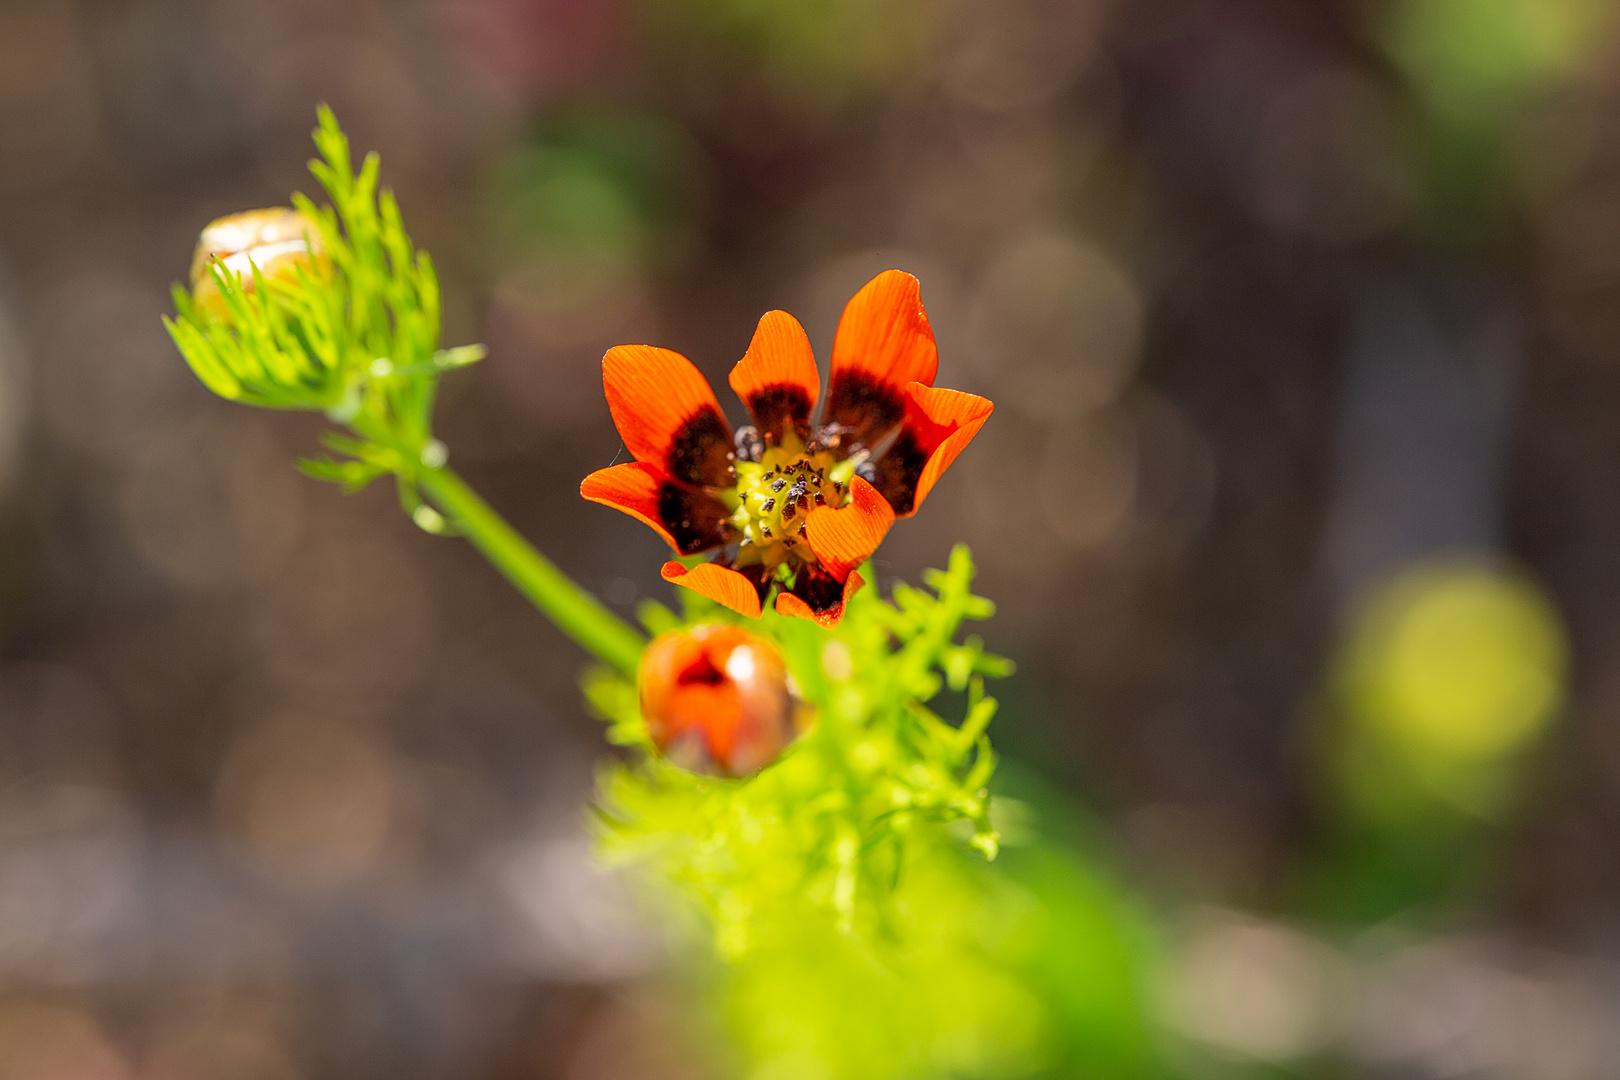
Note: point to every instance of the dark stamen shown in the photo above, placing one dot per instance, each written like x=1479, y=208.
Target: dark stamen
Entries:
x=749, y=446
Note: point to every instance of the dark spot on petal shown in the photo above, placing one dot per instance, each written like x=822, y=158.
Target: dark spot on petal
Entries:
x=817, y=588
x=696, y=520
x=860, y=409
x=898, y=471
x=779, y=408
x=755, y=572
x=698, y=452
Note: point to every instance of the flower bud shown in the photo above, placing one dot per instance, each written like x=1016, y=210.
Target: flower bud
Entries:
x=718, y=699
x=276, y=240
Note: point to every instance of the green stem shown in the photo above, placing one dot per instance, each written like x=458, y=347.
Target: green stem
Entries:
x=576, y=612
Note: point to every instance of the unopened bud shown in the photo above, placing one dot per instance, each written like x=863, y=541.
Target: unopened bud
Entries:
x=718, y=699
x=277, y=240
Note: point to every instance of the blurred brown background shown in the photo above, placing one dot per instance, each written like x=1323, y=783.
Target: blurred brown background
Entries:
x=1275, y=298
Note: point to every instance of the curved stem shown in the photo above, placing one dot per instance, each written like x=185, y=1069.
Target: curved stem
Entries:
x=576, y=612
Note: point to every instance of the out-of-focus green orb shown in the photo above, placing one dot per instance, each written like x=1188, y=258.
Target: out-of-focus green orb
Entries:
x=1457, y=662
x=1472, y=57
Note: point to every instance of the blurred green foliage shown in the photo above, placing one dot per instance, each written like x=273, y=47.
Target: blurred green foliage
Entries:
x=861, y=938
x=819, y=53
x=1479, y=69
x=1083, y=944
x=826, y=831
x=1475, y=62
x=1039, y=966
x=594, y=197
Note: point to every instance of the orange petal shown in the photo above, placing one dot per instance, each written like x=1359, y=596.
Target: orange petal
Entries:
x=883, y=344
x=939, y=424
x=667, y=414
x=719, y=583
x=690, y=521
x=846, y=537
x=789, y=604
x=777, y=378
x=884, y=332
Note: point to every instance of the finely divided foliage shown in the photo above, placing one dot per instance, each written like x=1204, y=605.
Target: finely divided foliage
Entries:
x=356, y=336
x=828, y=824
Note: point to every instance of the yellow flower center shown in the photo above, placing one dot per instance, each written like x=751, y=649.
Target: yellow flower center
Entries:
x=775, y=495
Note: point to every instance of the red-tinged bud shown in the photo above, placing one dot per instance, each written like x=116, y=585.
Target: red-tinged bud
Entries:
x=276, y=240
x=718, y=699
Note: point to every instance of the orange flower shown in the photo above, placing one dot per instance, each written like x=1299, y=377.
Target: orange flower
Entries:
x=802, y=497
